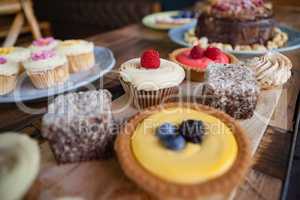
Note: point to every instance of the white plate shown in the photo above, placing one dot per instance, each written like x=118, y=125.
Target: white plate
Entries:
x=150, y=20
x=25, y=91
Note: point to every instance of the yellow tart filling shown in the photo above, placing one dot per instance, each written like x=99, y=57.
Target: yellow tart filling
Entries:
x=195, y=163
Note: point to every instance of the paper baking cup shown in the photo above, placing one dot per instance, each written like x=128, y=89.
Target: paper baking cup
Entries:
x=143, y=99
x=7, y=84
x=195, y=74
x=81, y=62
x=49, y=78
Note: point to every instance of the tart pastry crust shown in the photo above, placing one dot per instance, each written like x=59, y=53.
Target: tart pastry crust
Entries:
x=217, y=187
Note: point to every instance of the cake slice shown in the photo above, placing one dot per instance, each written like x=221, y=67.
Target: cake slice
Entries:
x=79, y=126
x=238, y=22
x=231, y=88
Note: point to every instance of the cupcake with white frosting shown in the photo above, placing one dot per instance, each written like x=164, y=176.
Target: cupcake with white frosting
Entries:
x=8, y=75
x=272, y=69
x=47, y=69
x=150, y=80
x=80, y=54
x=15, y=54
x=44, y=44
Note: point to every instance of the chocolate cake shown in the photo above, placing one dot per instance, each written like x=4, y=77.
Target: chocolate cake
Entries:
x=79, y=126
x=231, y=88
x=238, y=22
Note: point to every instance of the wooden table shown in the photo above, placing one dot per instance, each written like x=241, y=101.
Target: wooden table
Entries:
x=264, y=181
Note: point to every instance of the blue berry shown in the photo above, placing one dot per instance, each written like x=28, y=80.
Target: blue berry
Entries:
x=192, y=130
x=174, y=142
x=165, y=130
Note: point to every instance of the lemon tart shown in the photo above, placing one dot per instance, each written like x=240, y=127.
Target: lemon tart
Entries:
x=184, y=151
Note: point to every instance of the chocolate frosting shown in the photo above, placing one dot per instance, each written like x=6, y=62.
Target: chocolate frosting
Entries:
x=242, y=26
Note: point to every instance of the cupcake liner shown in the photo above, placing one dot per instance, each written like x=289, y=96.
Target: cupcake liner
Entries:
x=195, y=74
x=81, y=62
x=142, y=99
x=7, y=84
x=49, y=78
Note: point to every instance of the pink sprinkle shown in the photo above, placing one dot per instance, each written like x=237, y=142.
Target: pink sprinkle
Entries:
x=43, y=41
x=2, y=60
x=42, y=55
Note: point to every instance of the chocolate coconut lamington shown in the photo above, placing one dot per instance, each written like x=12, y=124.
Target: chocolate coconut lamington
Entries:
x=79, y=126
x=231, y=88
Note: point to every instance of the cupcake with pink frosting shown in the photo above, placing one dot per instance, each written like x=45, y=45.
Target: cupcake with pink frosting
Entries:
x=47, y=68
x=44, y=44
x=8, y=75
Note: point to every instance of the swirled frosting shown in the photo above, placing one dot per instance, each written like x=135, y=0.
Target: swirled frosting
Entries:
x=45, y=60
x=15, y=54
x=169, y=74
x=42, y=44
x=75, y=47
x=273, y=69
x=8, y=67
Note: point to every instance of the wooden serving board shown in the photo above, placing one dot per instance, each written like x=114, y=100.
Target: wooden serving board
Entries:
x=105, y=180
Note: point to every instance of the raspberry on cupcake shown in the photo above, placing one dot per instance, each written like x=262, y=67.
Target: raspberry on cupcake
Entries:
x=47, y=69
x=150, y=80
x=8, y=75
x=150, y=59
x=195, y=60
x=80, y=54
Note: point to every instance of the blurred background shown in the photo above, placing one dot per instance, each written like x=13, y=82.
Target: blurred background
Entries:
x=81, y=18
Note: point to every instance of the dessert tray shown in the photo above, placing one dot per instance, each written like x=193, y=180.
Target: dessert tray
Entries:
x=150, y=20
x=25, y=91
x=105, y=179
x=177, y=36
